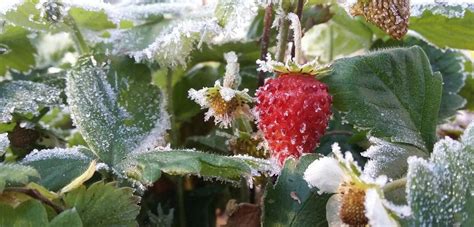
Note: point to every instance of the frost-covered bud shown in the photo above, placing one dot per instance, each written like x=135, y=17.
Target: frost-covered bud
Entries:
x=225, y=103
x=52, y=10
x=389, y=15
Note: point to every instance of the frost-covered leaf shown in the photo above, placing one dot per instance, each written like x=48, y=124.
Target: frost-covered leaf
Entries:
x=290, y=202
x=438, y=189
x=93, y=20
x=16, y=50
x=389, y=159
x=27, y=15
x=59, y=166
x=15, y=173
x=104, y=205
x=25, y=97
x=392, y=93
x=147, y=167
x=448, y=62
x=4, y=143
x=224, y=10
x=68, y=218
x=338, y=37
x=468, y=91
x=116, y=108
x=446, y=31
x=29, y=213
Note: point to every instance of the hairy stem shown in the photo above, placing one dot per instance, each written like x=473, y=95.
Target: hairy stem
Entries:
x=299, y=13
x=282, y=38
x=394, y=185
x=173, y=139
x=267, y=23
x=38, y=196
x=79, y=40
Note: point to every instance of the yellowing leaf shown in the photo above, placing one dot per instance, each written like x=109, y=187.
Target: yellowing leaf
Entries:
x=80, y=179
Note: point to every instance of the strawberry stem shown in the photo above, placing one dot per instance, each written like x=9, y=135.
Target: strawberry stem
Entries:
x=296, y=26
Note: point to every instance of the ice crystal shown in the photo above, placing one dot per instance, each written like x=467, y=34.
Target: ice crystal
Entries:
x=113, y=129
x=4, y=143
x=25, y=97
x=448, y=8
x=387, y=158
x=438, y=188
x=73, y=153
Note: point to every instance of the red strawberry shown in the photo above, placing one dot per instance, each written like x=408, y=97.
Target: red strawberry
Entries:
x=293, y=110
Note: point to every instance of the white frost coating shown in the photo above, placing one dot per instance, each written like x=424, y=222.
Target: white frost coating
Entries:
x=439, y=187
x=333, y=206
x=156, y=137
x=468, y=136
x=4, y=142
x=7, y=5
x=173, y=46
x=100, y=119
x=375, y=210
x=296, y=26
x=132, y=10
x=268, y=64
x=258, y=165
x=449, y=8
x=324, y=174
x=232, y=76
x=387, y=158
x=25, y=97
x=56, y=153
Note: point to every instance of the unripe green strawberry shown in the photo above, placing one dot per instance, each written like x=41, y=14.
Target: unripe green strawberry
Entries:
x=389, y=15
x=293, y=113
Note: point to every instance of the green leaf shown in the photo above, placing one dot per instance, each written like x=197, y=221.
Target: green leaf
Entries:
x=438, y=189
x=392, y=93
x=468, y=91
x=340, y=36
x=448, y=62
x=290, y=202
x=104, y=205
x=29, y=213
x=59, y=166
x=224, y=10
x=16, y=50
x=25, y=97
x=15, y=173
x=94, y=20
x=28, y=16
x=116, y=108
x=67, y=218
x=445, y=31
x=147, y=167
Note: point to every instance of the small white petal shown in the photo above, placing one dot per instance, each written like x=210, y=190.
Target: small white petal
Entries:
x=325, y=174
x=332, y=211
x=400, y=210
x=375, y=210
x=336, y=150
x=227, y=93
x=199, y=97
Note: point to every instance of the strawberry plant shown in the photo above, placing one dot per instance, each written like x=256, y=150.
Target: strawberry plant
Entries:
x=236, y=113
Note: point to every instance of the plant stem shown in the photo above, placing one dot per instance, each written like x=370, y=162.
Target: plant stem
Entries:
x=169, y=96
x=299, y=13
x=282, y=38
x=394, y=185
x=267, y=23
x=81, y=44
x=173, y=141
x=36, y=195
